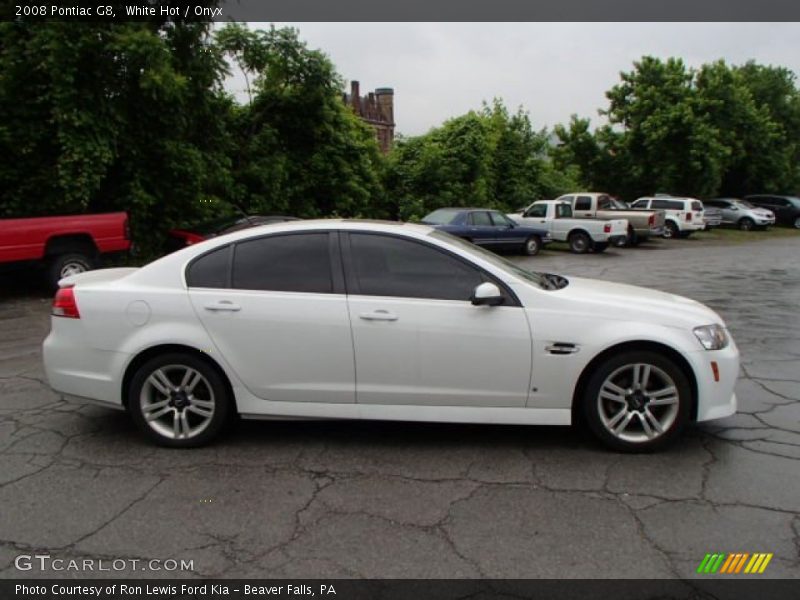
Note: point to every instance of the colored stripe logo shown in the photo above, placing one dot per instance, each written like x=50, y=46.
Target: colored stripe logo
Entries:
x=735, y=563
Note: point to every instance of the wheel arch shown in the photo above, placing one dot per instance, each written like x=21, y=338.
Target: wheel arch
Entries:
x=70, y=242
x=670, y=352
x=579, y=230
x=149, y=353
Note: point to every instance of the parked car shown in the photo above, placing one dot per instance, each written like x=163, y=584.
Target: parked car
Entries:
x=489, y=228
x=641, y=224
x=63, y=245
x=182, y=237
x=275, y=322
x=742, y=214
x=682, y=216
x=712, y=217
x=785, y=208
x=582, y=235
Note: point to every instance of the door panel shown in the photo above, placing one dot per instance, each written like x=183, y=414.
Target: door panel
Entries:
x=417, y=337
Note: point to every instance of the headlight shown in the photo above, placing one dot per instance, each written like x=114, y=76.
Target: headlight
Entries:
x=713, y=337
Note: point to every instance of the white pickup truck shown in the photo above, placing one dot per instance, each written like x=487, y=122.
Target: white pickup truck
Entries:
x=582, y=234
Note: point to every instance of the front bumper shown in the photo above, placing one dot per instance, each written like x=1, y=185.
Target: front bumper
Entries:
x=716, y=399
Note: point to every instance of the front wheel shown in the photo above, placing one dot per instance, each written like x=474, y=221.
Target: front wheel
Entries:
x=532, y=246
x=637, y=401
x=178, y=400
x=746, y=224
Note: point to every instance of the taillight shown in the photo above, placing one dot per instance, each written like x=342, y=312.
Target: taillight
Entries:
x=652, y=220
x=64, y=304
x=688, y=216
x=607, y=228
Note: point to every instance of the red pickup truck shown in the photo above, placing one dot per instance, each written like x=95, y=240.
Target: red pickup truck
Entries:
x=64, y=245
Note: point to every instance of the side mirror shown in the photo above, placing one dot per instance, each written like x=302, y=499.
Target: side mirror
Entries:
x=487, y=294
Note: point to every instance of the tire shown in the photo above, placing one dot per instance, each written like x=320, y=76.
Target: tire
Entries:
x=671, y=230
x=579, y=242
x=600, y=247
x=532, y=246
x=621, y=242
x=630, y=422
x=63, y=265
x=179, y=419
x=746, y=224
x=634, y=239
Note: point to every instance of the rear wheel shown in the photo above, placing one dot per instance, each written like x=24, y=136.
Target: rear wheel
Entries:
x=532, y=246
x=637, y=401
x=64, y=265
x=178, y=400
x=600, y=247
x=746, y=224
x=579, y=242
x=671, y=230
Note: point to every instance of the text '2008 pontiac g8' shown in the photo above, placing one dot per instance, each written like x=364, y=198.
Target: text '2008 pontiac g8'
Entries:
x=367, y=320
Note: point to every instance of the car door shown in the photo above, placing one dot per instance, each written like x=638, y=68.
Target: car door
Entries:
x=506, y=232
x=418, y=340
x=536, y=216
x=275, y=308
x=480, y=228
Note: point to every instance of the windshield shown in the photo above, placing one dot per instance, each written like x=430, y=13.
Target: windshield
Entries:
x=744, y=203
x=494, y=259
x=443, y=216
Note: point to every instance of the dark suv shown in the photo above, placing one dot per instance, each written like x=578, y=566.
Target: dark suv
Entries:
x=786, y=208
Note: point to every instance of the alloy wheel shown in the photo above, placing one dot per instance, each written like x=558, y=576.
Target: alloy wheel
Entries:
x=72, y=268
x=177, y=402
x=638, y=403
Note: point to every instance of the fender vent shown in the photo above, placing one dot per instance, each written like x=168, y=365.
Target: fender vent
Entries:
x=561, y=348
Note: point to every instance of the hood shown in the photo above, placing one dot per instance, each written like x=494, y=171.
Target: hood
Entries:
x=630, y=302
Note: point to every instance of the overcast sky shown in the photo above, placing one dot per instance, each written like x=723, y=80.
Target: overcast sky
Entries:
x=442, y=70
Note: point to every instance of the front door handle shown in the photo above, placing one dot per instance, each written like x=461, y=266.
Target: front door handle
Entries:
x=378, y=315
x=223, y=306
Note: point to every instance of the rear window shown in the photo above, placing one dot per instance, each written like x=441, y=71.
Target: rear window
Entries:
x=210, y=270
x=697, y=206
x=443, y=216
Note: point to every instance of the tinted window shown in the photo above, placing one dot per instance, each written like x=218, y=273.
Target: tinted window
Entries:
x=210, y=270
x=537, y=210
x=480, y=218
x=697, y=206
x=284, y=263
x=583, y=203
x=640, y=204
x=667, y=204
x=390, y=266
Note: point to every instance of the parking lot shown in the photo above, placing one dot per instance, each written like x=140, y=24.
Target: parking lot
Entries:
x=396, y=500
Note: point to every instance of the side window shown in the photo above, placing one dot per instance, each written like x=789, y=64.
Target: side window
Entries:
x=284, y=263
x=640, y=204
x=538, y=210
x=563, y=211
x=480, y=219
x=566, y=199
x=210, y=270
x=583, y=203
x=499, y=220
x=659, y=204
x=604, y=203
x=389, y=266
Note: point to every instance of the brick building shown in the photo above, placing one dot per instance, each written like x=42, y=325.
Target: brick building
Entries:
x=377, y=109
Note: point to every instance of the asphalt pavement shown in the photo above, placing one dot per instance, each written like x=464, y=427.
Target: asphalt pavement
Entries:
x=397, y=500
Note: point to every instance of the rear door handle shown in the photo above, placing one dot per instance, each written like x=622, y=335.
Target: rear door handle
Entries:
x=223, y=306
x=378, y=315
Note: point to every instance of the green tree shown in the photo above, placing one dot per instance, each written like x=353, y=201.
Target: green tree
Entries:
x=300, y=150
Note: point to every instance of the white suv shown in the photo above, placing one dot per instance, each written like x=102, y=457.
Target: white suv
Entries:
x=683, y=215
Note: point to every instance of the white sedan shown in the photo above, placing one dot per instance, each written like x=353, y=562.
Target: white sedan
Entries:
x=367, y=320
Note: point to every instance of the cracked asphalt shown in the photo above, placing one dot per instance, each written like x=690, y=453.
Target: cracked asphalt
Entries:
x=396, y=500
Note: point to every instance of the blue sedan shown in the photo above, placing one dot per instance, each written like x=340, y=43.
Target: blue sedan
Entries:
x=486, y=227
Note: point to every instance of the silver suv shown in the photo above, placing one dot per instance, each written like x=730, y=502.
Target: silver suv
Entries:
x=741, y=213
